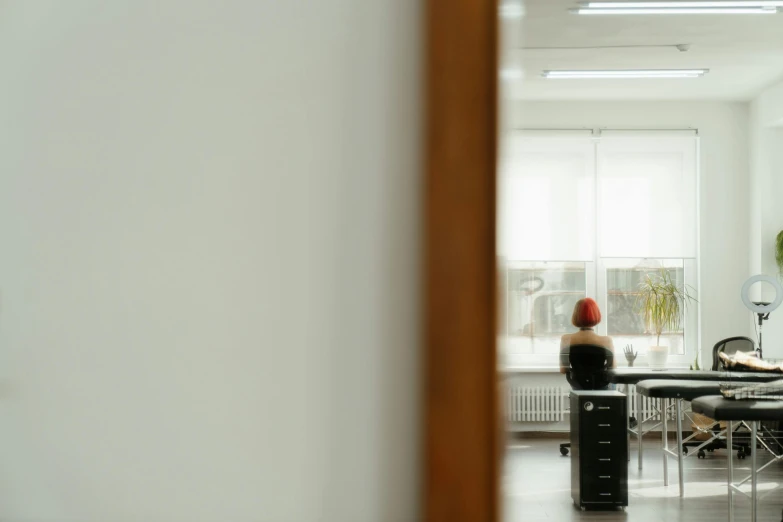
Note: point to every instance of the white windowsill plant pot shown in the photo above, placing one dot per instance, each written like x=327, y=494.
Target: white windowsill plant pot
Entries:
x=657, y=356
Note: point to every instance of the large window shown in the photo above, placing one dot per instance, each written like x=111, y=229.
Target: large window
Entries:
x=592, y=216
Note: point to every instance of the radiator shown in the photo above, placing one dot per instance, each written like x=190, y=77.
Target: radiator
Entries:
x=536, y=403
x=550, y=404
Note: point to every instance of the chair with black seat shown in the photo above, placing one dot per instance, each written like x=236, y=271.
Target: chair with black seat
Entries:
x=730, y=346
x=587, y=370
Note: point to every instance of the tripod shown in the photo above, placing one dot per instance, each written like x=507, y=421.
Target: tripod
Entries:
x=762, y=317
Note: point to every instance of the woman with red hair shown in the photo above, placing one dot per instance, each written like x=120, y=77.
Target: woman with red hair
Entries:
x=586, y=316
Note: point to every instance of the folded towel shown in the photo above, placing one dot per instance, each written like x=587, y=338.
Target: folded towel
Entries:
x=767, y=390
x=748, y=362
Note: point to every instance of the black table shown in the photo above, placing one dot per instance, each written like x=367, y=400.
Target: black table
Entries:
x=628, y=376
x=634, y=375
x=753, y=411
x=666, y=391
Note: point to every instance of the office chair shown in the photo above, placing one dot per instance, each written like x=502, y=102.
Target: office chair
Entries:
x=730, y=346
x=587, y=365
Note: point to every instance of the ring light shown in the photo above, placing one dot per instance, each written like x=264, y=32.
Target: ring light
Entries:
x=760, y=308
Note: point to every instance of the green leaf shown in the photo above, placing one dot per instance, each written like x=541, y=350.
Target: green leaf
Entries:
x=662, y=302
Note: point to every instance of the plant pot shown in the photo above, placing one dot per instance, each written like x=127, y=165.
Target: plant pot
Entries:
x=657, y=356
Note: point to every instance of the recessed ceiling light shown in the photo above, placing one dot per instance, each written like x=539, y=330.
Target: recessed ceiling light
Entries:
x=625, y=74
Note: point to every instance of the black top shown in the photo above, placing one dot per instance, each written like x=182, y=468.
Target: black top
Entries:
x=720, y=408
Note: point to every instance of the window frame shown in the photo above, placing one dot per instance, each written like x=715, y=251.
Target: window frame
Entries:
x=595, y=285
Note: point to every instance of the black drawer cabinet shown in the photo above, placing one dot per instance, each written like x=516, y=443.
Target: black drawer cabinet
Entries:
x=599, y=449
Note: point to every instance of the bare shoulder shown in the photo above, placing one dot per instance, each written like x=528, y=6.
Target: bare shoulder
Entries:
x=607, y=341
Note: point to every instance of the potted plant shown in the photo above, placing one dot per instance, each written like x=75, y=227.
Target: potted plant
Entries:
x=662, y=303
x=779, y=251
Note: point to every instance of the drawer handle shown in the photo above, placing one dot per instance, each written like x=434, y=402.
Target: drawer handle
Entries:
x=604, y=425
x=605, y=494
x=604, y=442
x=604, y=460
x=604, y=476
x=604, y=407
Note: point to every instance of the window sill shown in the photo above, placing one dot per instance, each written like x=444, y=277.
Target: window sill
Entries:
x=529, y=369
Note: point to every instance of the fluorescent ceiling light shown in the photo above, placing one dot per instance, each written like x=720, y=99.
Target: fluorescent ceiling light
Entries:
x=624, y=74
x=719, y=3
x=684, y=7
x=677, y=10
x=649, y=72
x=615, y=77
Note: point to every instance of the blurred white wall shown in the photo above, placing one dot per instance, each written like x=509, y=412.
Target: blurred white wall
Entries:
x=209, y=250
x=766, y=212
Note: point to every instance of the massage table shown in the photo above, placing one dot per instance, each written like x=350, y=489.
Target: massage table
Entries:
x=628, y=376
x=746, y=411
x=666, y=391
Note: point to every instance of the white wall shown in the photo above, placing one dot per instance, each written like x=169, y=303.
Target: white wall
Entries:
x=208, y=276
x=766, y=145
x=725, y=193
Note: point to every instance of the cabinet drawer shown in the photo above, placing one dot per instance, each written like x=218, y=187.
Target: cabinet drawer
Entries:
x=603, y=406
x=603, y=477
x=605, y=466
x=594, y=491
x=610, y=415
x=601, y=424
x=604, y=444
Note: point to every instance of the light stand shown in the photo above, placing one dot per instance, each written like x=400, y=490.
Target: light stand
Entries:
x=762, y=317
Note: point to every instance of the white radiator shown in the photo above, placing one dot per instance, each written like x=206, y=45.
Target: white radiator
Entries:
x=536, y=403
x=551, y=404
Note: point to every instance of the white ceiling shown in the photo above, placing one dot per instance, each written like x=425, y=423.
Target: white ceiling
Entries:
x=743, y=52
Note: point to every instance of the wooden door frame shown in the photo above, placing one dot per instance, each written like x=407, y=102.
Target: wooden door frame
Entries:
x=462, y=447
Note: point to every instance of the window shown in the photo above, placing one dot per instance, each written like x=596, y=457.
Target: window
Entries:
x=540, y=299
x=586, y=216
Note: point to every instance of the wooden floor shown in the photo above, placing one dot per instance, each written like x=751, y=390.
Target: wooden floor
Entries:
x=537, y=488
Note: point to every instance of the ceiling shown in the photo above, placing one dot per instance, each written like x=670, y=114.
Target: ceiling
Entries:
x=743, y=52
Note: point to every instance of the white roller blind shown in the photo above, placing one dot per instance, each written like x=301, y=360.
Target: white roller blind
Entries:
x=646, y=197
x=546, y=198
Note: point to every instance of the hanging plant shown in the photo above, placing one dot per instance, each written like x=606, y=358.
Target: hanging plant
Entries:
x=779, y=251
